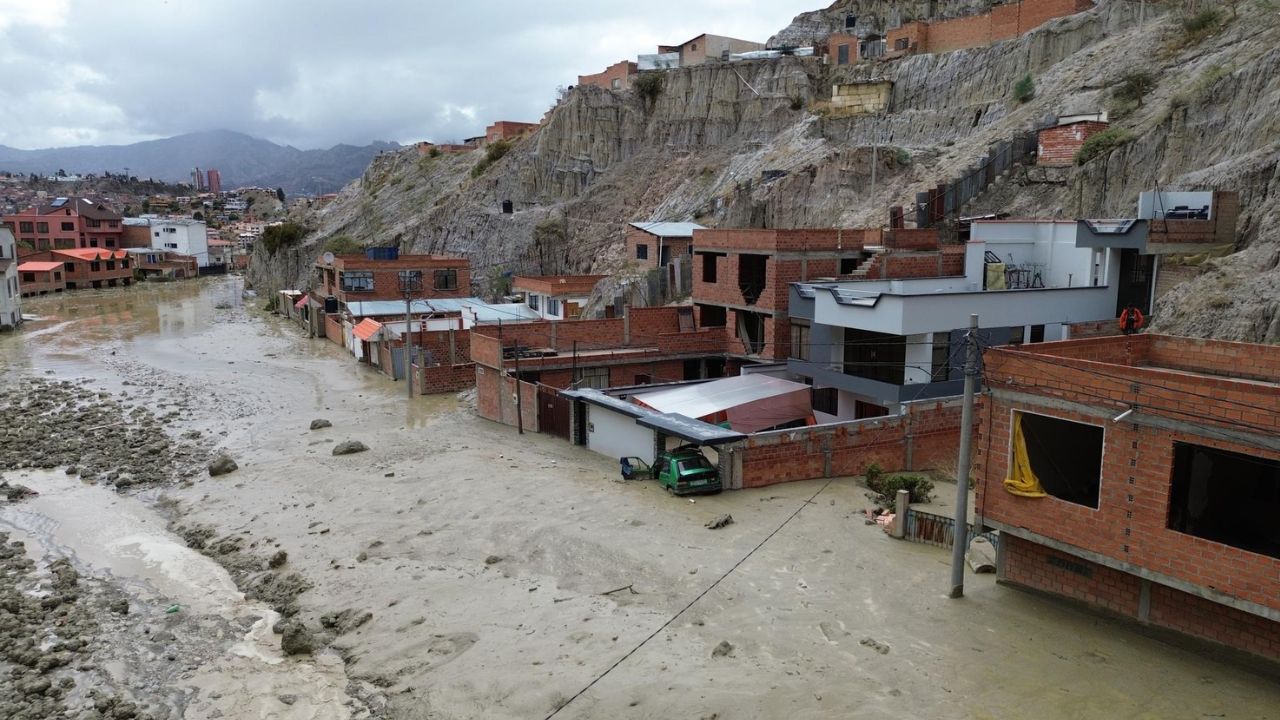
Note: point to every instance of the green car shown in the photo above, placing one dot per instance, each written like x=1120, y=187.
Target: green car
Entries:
x=682, y=471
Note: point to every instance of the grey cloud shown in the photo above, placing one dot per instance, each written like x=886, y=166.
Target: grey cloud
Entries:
x=312, y=74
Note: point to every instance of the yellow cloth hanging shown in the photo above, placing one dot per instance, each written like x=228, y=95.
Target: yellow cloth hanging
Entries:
x=995, y=279
x=1021, y=480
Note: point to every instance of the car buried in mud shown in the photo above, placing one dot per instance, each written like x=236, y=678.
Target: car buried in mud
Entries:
x=681, y=471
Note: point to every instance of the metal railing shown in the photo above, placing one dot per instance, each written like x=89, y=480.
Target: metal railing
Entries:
x=931, y=529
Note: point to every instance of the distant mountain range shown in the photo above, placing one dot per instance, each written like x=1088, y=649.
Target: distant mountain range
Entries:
x=239, y=158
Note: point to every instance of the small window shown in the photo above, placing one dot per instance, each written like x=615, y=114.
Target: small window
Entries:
x=446, y=279
x=1226, y=497
x=67, y=227
x=95, y=266
x=941, y=365
x=616, y=84
x=157, y=233
x=713, y=316
x=356, y=280
x=825, y=400
x=28, y=277
x=553, y=306
x=642, y=252
x=26, y=227
x=1064, y=456
x=643, y=379
x=901, y=44
x=43, y=227
x=111, y=264
x=410, y=280
x=848, y=265
x=533, y=301
x=693, y=46
x=597, y=378
x=709, y=268
x=842, y=55
x=799, y=341
x=1037, y=333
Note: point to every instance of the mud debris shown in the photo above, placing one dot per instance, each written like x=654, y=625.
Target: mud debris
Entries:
x=320, y=424
x=222, y=465
x=349, y=447
x=719, y=522
x=724, y=649
x=47, y=423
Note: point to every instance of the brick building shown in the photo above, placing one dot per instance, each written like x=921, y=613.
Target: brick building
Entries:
x=556, y=297
x=1147, y=477
x=702, y=48
x=615, y=77
x=741, y=279
x=646, y=345
x=41, y=277
x=507, y=130
x=89, y=267
x=65, y=224
x=215, y=181
x=655, y=244
x=377, y=274
x=1058, y=145
x=1003, y=22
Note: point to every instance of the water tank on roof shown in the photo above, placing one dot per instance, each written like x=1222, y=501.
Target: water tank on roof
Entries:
x=331, y=305
x=382, y=253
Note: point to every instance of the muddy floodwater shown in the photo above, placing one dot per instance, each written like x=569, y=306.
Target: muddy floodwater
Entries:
x=458, y=570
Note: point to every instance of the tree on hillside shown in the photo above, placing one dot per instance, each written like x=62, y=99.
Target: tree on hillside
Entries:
x=280, y=194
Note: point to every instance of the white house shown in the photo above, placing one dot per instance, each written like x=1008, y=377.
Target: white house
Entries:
x=10, y=296
x=180, y=235
x=869, y=346
x=556, y=297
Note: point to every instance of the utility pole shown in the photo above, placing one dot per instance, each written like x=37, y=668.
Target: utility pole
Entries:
x=410, y=283
x=519, y=400
x=960, y=541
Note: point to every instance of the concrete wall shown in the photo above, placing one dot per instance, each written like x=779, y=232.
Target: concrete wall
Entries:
x=616, y=435
x=862, y=97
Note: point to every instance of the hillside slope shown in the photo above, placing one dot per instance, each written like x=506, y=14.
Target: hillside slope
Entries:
x=753, y=144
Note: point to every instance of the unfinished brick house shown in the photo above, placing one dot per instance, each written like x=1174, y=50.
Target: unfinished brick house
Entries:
x=1140, y=475
x=615, y=77
x=1003, y=22
x=646, y=345
x=507, y=130
x=656, y=244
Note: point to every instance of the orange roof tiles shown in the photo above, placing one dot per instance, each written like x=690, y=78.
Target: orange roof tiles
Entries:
x=93, y=253
x=367, y=328
x=39, y=266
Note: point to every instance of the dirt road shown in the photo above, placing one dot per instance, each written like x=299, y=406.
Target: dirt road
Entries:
x=476, y=565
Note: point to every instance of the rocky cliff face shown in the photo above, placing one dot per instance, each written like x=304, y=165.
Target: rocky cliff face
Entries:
x=756, y=144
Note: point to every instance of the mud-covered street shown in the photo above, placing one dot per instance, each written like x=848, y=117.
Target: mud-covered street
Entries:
x=458, y=570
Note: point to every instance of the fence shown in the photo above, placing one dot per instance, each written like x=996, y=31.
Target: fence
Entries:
x=940, y=530
x=948, y=199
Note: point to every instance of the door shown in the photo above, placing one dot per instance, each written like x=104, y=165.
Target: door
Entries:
x=553, y=412
x=1134, y=283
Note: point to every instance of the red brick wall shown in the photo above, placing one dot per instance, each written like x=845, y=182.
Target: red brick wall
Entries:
x=933, y=428
x=333, y=328
x=386, y=277
x=620, y=71
x=636, y=237
x=835, y=41
x=959, y=33
x=1031, y=565
x=1130, y=523
x=1059, y=145
x=445, y=378
x=1002, y=23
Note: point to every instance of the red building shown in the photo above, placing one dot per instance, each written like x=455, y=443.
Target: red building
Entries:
x=615, y=77
x=1140, y=475
x=654, y=244
x=507, y=130
x=88, y=267
x=215, y=181
x=67, y=223
x=377, y=275
x=1058, y=145
x=1002, y=22
x=40, y=277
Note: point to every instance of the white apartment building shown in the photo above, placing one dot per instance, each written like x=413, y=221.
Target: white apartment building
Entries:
x=10, y=296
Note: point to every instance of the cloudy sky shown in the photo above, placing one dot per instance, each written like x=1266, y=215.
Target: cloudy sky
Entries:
x=312, y=73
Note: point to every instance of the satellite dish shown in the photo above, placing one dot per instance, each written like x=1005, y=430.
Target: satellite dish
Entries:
x=328, y=258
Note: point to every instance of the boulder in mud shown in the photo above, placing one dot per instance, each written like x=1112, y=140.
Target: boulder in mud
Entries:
x=719, y=522
x=296, y=638
x=15, y=492
x=278, y=560
x=349, y=447
x=222, y=465
x=320, y=424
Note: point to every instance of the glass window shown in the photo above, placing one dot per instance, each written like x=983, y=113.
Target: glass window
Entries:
x=42, y=227
x=799, y=341
x=642, y=252
x=70, y=226
x=597, y=378
x=410, y=280
x=533, y=301
x=357, y=280
x=446, y=279
x=553, y=306
x=26, y=227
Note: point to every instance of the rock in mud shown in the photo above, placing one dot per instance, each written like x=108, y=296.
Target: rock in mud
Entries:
x=349, y=447
x=296, y=639
x=724, y=649
x=222, y=465
x=278, y=560
x=493, y=560
x=320, y=423
x=345, y=621
x=15, y=492
x=719, y=522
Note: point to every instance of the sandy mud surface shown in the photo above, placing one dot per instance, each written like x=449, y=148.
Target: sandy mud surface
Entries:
x=457, y=570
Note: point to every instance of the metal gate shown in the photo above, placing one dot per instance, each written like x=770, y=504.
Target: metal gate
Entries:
x=553, y=412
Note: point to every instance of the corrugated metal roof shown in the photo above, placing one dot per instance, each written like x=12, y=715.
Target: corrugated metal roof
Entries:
x=669, y=229
x=507, y=312
x=373, y=308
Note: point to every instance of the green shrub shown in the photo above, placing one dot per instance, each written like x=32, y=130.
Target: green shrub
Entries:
x=342, y=245
x=434, y=152
x=493, y=152
x=1199, y=88
x=648, y=86
x=1102, y=143
x=1203, y=22
x=886, y=488
x=873, y=473
x=282, y=235
x=1025, y=89
x=1134, y=86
